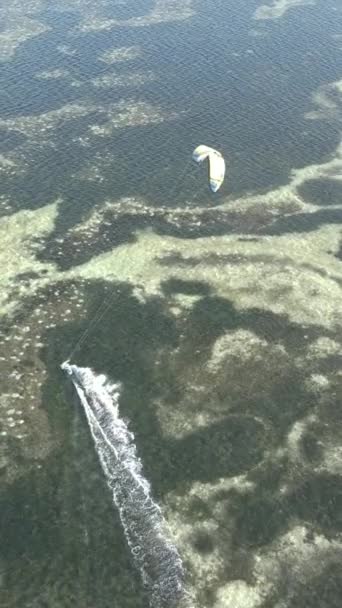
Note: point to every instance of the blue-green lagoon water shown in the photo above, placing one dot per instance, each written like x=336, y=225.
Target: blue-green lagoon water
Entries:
x=219, y=314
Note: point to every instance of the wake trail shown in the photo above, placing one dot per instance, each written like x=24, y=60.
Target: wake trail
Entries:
x=153, y=552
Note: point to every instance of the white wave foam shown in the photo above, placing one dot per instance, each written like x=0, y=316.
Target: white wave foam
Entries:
x=145, y=529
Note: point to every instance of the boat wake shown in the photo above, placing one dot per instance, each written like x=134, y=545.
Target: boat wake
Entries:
x=145, y=529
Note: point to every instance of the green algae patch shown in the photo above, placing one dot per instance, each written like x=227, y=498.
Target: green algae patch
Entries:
x=19, y=236
x=286, y=275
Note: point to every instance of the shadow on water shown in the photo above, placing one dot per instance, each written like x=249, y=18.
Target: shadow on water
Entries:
x=323, y=191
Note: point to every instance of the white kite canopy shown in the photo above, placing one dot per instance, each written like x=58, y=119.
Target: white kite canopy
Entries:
x=217, y=166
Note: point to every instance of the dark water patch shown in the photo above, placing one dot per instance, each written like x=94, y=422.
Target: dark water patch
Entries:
x=251, y=239
x=235, y=259
x=209, y=318
x=263, y=516
x=331, y=363
x=58, y=20
x=323, y=589
x=27, y=277
x=177, y=259
x=278, y=328
x=311, y=447
x=132, y=345
x=260, y=518
x=198, y=509
x=38, y=186
x=42, y=54
x=284, y=400
x=216, y=223
x=222, y=449
x=222, y=99
x=123, y=344
x=339, y=253
x=134, y=342
x=78, y=249
x=323, y=191
x=118, y=227
x=196, y=288
x=24, y=516
x=270, y=388
x=217, y=260
x=202, y=542
x=9, y=140
x=271, y=475
x=212, y=316
x=319, y=500
x=311, y=587
x=303, y=222
x=210, y=259
x=55, y=511
x=90, y=565
x=23, y=93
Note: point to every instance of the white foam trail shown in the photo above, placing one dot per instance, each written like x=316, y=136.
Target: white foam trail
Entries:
x=145, y=528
